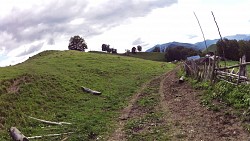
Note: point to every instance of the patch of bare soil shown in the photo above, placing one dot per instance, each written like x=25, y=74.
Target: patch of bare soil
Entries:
x=190, y=120
x=14, y=85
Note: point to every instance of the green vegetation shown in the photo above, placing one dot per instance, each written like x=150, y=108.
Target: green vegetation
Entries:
x=233, y=49
x=47, y=86
x=235, y=96
x=230, y=99
x=154, y=56
x=180, y=53
x=211, y=48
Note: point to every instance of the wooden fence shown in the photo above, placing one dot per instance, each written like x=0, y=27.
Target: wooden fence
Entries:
x=208, y=68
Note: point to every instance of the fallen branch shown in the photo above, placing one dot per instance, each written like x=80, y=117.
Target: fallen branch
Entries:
x=231, y=75
x=65, y=139
x=90, y=91
x=17, y=135
x=49, y=135
x=50, y=122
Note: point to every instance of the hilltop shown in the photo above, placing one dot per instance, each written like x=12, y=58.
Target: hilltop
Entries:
x=48, y=86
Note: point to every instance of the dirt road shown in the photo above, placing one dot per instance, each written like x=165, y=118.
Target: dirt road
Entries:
x=183, y=118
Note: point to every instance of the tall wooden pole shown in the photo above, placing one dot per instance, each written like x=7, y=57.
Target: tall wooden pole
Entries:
x=201, y=30
x=220, y=37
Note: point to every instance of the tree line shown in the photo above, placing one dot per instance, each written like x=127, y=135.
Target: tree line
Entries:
x=233, y=49
x=180, y=53
x=228, y=49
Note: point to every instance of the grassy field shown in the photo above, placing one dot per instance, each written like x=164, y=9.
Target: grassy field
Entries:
x=154, y=56
x=47, y=86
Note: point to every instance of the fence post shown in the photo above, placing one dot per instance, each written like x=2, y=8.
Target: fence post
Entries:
x=240, y=71
x=213, y=70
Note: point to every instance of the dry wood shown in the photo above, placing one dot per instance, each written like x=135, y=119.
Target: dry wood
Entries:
x=50, y=122
x=201, y=29
x=49, y=135
x=181, y=80
x=17, y=135
x=65, y=139
x=234, y=66
x=91, y=91
x=229, y=78
x=231, y=75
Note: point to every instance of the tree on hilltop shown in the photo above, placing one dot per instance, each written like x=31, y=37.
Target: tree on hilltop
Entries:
x=106, y=47
x=139, y=48
x=77, y=43
x=134, y=50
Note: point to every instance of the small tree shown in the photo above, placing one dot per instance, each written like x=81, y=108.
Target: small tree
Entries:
x=114, y=51
x=77, y=43
x=139, y=48
x=105, y=47
x=134, y=50
x=109, y=50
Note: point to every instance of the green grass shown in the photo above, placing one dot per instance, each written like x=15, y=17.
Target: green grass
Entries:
x=211, y=48
x=227, y=98
x=154, y=56
x=47, y=86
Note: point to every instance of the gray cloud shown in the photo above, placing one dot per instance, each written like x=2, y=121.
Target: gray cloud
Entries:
x=32, y=49
x=113, y=13
x=42, y=22
x=51, y=41
x=191, y=36
x=138, y=41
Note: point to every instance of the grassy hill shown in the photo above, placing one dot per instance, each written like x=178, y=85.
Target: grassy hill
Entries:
x=211, y=48
x=154, y=56
x=47, y=86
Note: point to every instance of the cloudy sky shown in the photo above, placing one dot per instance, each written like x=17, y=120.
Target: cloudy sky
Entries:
x=31, y=26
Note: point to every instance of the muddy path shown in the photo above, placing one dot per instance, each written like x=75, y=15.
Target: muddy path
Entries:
x=182, y=116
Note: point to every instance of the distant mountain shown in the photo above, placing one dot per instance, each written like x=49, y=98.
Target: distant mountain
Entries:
x=171, y=44
x=239, y=37
x=198, y=45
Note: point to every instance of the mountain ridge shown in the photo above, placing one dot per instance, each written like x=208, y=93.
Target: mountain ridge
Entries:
x=198, y=45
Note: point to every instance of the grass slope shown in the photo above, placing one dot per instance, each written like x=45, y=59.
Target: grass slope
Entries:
x=154, y=56
x=47, y=86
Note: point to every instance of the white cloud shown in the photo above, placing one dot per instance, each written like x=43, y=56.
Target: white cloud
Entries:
x=138, y=41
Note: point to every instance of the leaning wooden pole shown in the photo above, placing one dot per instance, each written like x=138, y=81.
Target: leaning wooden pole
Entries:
x=220, y=36
x=201, y=30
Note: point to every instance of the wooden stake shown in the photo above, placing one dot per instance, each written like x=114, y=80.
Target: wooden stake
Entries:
x=201, y=30
x=220, y=37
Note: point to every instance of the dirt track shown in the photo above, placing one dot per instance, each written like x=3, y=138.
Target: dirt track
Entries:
x=186, y=117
